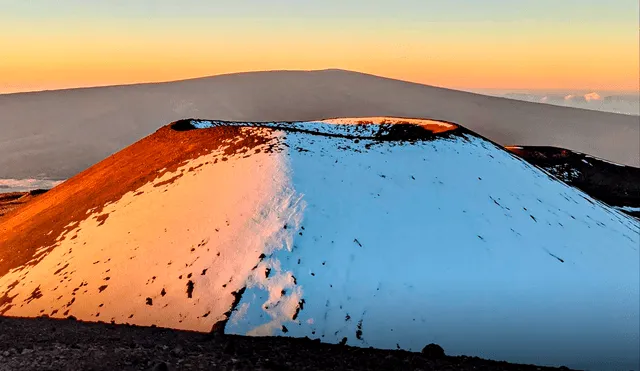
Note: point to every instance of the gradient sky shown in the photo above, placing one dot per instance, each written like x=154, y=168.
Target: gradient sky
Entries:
x=486, y=44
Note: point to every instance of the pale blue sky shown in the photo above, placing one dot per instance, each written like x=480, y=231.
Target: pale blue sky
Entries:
x=595, y=11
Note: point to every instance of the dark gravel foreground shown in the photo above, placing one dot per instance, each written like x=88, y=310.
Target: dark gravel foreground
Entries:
x=48, y=344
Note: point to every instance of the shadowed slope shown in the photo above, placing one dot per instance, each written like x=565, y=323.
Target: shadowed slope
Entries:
x=59, y=133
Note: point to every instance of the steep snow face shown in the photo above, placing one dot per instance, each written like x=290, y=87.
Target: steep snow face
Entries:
x=344, y=235
x=451, y=241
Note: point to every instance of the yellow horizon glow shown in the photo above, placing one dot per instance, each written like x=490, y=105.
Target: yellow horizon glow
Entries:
x=461, y=56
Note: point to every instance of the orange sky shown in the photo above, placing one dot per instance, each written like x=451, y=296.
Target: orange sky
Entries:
x=510, y=54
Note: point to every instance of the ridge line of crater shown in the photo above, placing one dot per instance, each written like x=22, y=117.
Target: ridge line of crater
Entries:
x=386, y=129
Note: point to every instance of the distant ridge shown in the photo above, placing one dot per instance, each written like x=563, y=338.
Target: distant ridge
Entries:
x=56, y=134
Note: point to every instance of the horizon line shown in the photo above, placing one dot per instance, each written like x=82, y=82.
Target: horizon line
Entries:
x=469, y=90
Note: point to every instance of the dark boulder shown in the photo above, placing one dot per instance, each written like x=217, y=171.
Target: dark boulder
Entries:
x=433, y=351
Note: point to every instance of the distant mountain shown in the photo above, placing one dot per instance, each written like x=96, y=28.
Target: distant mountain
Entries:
x=380, y=232
x=57, y=134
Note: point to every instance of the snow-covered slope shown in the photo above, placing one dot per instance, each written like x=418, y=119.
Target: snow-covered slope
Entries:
x=615, y=184
x=389, y=233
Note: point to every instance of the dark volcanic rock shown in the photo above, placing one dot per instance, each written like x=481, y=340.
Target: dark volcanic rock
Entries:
x=160, y=366
x=49, y=344
x=433, y=351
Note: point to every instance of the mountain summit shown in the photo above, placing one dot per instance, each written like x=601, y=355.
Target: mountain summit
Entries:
x=382, y=232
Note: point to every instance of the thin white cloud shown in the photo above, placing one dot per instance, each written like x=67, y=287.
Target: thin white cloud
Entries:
x=592, y=96
x=24, y=185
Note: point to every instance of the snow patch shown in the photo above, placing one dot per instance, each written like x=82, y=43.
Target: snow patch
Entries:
x=601, y=159
x=628, y=208
x=564, y=172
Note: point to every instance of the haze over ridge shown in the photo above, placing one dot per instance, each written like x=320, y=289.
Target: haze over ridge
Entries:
x=56, y=134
